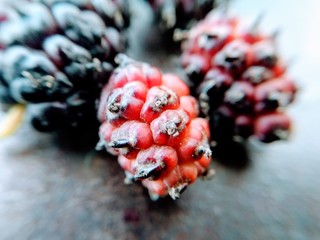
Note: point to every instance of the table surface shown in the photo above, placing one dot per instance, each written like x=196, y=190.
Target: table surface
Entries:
x=55, y=188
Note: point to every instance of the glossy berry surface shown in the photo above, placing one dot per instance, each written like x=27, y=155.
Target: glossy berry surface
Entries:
x=151, y=122
x=51, y=55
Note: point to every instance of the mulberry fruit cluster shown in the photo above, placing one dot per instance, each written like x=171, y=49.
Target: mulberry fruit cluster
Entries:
x=151, y=122
x=239, y=78
x=61, y=59
x=56, y=55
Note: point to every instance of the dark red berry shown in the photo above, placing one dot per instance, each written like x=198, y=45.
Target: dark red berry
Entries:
x=237, y=75
x=273, y=94
x=271, y=127
x=235, y=57
x=240, y=97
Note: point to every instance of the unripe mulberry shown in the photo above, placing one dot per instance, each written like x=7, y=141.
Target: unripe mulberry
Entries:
x=239, y=78
x=151, y=122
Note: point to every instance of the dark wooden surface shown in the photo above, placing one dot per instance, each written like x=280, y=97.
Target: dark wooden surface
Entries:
x=51, y=188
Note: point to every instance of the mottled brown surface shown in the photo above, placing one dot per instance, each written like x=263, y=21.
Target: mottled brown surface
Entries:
x=53, y=189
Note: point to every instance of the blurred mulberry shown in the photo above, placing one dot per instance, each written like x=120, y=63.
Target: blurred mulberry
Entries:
x=55, y=61
x=239, y=78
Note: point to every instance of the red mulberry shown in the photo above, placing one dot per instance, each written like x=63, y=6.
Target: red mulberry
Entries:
x=158, y=136
x=239, y=78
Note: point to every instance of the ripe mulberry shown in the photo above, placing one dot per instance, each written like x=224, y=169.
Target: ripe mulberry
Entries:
x=239, y=78
x=151, y=122
x=55, y=61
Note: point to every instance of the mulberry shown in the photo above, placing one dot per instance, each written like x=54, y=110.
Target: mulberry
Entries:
x=151, y=122
x=239, y=78
x=53, y=60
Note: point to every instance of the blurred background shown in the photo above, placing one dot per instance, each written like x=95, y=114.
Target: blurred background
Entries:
x=59, y=188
